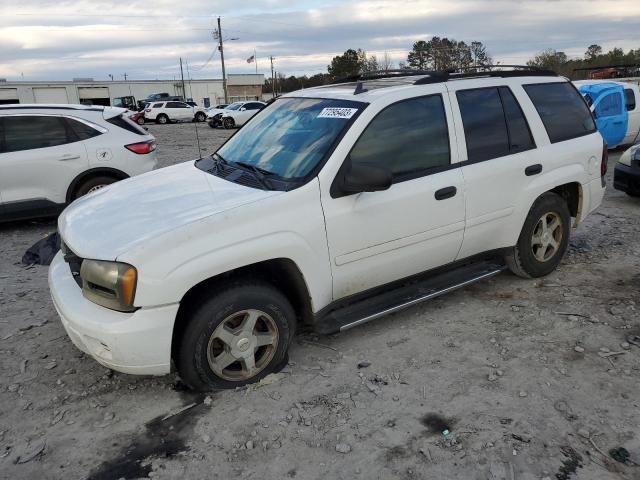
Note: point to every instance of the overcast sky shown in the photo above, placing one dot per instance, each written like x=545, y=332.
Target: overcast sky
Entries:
x=62, y=39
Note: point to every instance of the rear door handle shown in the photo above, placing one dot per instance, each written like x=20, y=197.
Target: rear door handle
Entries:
x=69, y=157
x=446, y=192
x=533, y=170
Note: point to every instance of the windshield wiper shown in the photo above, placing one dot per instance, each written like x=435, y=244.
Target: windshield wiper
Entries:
x=259, y=173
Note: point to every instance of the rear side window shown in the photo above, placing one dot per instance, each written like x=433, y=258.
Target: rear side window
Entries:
x=610, y=105
x=125, y=123
x=410, y=138
x=564, y=113
x=485, y=129
x=31, y=132
x=630, y=99
x=81, y=130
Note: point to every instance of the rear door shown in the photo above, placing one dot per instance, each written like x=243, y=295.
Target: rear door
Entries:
x=39, y=157
x=498, y=161
x=611, y=116
x=179, y=111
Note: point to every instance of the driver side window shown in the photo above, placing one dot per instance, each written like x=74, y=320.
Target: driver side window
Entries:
x=410, y=138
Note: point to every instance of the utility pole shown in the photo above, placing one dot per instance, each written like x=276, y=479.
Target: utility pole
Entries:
x=218, y=34
x=125, y=77
x=273, y=83
x=184, y=90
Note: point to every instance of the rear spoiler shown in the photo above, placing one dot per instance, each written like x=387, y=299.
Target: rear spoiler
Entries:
x=110, y=112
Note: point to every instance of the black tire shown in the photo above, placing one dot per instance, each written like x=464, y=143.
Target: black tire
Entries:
x=92, y=183
x=192, y=357
x=140, y=121
x=200, y=117
x=228, y=122
x=633, y=194
x=162, y=119
x=211, y=124
x=522, y=259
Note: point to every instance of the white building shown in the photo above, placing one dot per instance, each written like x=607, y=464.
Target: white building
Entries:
x=205, y=91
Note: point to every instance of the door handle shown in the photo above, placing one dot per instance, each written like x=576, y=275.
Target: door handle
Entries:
x=69, y=157
x=533, y=170
x=446, y=192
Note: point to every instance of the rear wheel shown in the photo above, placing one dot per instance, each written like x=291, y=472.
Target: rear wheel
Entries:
x=236, y=337
x=162, y=119
x=92, y=184
x=228, y=122
x=200, y=117
x=140, y=121
x=544, y=238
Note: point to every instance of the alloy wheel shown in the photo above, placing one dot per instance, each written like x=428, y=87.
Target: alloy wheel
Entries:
x=242, y=345
x=547, y=236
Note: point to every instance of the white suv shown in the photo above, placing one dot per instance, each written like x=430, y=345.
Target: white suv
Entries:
x=173, y=111
x=239, y=113
x=52, y=154
x=335, y=205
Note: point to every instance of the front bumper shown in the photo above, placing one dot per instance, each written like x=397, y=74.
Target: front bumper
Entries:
x=138, y=342
x=627, y=179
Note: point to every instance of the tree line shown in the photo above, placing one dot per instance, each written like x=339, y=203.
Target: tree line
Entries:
x=445, y=54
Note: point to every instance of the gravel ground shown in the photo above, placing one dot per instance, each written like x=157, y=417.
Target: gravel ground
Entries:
x=531, y=378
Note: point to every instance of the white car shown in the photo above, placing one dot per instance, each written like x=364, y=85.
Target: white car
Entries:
x=239, y=113
x=52, y=154
x=626, y=175
x=336, y=205
x=173, y=111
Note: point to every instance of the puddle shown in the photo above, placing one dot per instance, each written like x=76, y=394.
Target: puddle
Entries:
x=162, y=438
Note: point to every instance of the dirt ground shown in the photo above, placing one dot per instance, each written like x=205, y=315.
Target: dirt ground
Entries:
x=531, y=379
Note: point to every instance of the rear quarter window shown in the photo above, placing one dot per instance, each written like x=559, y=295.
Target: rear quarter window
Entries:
x=563, y=111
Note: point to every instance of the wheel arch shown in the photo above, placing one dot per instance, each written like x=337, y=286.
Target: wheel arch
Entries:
x=573, y=194
x=282, y=273
x=93, y=172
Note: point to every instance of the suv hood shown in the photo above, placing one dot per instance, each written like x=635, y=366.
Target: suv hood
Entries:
x=109, y=222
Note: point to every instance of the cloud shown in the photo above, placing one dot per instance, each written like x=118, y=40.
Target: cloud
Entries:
x=60, y=40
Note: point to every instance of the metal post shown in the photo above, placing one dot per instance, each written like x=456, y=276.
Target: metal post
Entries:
x=184, y=90
x=224, y=75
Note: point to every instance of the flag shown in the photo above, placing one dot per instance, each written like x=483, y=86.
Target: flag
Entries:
x=251, y=59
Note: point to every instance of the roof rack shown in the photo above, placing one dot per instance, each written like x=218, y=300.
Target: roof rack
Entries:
x=436, y=76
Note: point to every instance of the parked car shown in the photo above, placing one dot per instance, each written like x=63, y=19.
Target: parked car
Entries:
x=240, y=114
x=336, y=205
x=138, y=117
x=51, y=155
x=214, y=114
x=155, y=97
x=165, y=112
x=626, y=176
x=616, y=109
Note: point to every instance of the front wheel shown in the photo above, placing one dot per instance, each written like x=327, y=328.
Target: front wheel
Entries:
x=140, y=121
x=228, y=122
x=200, y=117
x=544, y=238
x=236, y=337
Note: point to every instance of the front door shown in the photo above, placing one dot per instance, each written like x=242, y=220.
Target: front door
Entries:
x=611, y=116
x=417, y=224
x=180, y=111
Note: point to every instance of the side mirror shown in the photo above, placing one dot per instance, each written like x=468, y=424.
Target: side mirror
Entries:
x=361, y=177
x=242, y=109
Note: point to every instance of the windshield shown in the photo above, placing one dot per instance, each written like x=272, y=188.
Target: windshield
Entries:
x=291, y=136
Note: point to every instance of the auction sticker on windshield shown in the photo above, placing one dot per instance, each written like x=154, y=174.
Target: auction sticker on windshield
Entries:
x=335, y=112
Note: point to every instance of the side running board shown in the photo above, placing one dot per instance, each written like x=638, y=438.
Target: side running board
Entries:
x=405, y=295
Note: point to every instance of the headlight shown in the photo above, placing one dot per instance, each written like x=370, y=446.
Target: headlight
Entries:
x=631, y=157
x=110, y=284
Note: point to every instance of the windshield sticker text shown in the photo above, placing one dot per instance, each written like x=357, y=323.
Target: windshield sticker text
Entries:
x=334, y=112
